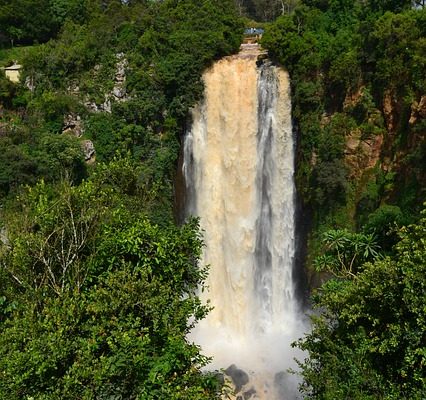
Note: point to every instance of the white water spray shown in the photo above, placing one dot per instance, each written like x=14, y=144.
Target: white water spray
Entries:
x=238, y=167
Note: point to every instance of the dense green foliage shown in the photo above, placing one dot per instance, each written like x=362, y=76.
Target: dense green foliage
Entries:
x=359, y=89
x=97, y=284
x=161, y=48
x=95, y=299
x=31, y=21
x=356, y=76
x=370, y=340
x=265, y=10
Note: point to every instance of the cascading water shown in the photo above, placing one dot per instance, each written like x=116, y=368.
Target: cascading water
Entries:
x=238, y=168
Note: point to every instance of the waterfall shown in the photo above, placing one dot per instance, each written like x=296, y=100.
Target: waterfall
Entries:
x=238, y=168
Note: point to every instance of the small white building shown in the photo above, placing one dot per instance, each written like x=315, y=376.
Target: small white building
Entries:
x=13, y=72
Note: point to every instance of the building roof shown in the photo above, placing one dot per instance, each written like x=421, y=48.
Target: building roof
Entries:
x=13, y=67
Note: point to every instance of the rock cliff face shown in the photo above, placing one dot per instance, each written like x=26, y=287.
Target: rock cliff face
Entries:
x=397, y=148
x=362, y=154
x=88, y=151
x=73, y=125
x=384, y=154
x=362, y=151
x=403, y=150
x=118, y=92
x=418, y=110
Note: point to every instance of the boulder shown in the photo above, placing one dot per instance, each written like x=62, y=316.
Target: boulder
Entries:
x=238, y=376
x=73, y=125
x=88, y=150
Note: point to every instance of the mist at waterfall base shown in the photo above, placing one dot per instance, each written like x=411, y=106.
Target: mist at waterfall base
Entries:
x=238, y=168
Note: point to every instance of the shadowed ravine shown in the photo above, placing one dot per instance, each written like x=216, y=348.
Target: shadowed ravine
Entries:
x=238, y=168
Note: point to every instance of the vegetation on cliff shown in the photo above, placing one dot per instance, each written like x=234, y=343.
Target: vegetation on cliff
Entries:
x=96, y=300
x=359, y=93
x=96, y=281
x=97, y=284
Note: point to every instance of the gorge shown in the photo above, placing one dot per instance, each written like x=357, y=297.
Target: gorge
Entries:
x=104, y=287
x=238, y=168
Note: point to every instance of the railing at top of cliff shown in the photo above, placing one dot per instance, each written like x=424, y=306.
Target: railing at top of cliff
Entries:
x=252, y=35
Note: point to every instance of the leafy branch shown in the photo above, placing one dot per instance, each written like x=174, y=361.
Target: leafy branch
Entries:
x=344, y=252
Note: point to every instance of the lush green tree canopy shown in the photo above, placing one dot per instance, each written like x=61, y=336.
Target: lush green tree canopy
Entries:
x=355, y=70
x=96, y=300
x=97, y=284
x=370, y=340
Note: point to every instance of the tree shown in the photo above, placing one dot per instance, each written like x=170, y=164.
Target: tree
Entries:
x=369, y=341
x=7, y=91
x=27, y=21
x=344, y=252
x=391, y=5
x=265, y=10
x=48, y=246
x=96, y=301
x=16, y=166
